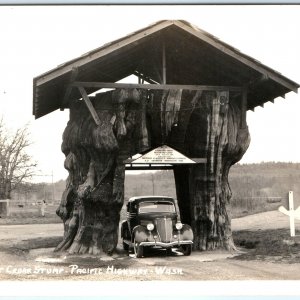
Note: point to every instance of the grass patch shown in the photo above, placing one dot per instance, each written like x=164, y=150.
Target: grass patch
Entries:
x=27, y=218
x=273, y=245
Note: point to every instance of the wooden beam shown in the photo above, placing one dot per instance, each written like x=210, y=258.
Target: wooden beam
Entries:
x=131, y=167
x=199, y=160
x=145, y=78
x=65, y=100
x=244, y=109
x=196, y=160
x=89, y=105
x=156, y=86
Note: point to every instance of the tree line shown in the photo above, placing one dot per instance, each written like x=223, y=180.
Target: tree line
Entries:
x=267, y=179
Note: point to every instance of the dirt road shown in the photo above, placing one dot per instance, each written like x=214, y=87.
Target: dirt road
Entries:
x=266, y=220
x=19, y=261
x=263, y=221
x=29, y=231
x=42, y=264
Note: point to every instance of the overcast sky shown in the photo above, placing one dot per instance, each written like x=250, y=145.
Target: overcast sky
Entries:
x=37, y=39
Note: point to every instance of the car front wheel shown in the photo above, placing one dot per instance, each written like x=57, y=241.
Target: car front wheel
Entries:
x=138, y=250
x=186, y=249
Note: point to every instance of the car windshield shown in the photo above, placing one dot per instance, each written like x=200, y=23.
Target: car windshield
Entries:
x=151, y=207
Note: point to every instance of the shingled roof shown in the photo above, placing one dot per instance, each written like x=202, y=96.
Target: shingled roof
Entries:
x=193, y=57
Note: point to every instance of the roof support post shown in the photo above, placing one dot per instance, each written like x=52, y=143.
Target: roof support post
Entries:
x=89, y=105
x=65, y=100
x=164, y=65
x=244, y=108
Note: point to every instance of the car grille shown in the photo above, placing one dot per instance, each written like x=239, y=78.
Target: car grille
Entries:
x=164, y=229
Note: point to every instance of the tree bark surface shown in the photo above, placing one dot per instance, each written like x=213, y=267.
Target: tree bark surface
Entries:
x=94, y=194
x=213, y=133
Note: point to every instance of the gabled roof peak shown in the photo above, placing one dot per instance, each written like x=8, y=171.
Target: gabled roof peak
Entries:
x=193, y=57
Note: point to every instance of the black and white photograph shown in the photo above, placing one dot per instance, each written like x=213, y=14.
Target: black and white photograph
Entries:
x=150, y=143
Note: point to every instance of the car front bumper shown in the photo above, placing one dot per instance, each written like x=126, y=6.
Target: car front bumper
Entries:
x=166, y=245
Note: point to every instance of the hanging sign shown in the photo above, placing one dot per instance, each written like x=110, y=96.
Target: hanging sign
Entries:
x=163, y=155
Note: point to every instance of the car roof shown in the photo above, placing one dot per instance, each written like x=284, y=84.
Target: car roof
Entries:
x=149, y=198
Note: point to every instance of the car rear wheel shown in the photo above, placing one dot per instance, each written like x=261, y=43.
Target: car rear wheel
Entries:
x=138, y=250
x=186, y=249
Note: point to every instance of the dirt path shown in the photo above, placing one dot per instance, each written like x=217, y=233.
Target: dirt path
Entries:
x=29, y=231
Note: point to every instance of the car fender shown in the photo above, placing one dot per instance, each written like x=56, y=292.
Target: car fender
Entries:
x=140, y=234
x=187, y=232
x=124, y=228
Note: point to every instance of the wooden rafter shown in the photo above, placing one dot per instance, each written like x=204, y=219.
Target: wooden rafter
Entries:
x=65, y=100
x=145, y=78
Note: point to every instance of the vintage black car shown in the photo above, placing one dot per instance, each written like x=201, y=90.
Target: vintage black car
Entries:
x=154, y=222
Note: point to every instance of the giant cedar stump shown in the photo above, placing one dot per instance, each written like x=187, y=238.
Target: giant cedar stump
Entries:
x=198, y=124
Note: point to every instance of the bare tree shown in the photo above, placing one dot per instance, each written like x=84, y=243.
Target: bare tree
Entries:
x=15, y=164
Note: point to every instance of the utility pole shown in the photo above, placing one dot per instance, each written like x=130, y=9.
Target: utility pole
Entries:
x=52, y=187
x=152, y=179
x=52, y=183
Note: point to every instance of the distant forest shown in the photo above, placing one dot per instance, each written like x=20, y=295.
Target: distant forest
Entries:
x=271, y=179
x=262, y=186
x=255, y=187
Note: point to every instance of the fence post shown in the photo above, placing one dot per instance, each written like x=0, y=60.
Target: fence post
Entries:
x=292, y=215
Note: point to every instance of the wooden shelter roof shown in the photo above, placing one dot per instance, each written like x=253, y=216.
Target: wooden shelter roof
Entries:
x=192, y=57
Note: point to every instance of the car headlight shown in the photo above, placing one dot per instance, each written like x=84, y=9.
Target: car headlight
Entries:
x=150, y=226
x=178, y=226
